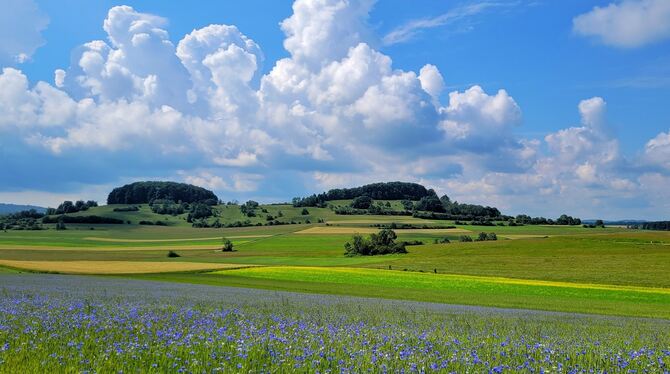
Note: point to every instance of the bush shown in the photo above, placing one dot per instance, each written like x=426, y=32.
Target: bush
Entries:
x=127, y=209
x=442, y=241
x=465, y=238
x=361, y=202
x=304, y=212
x=83, y=219
x=491, y=236
x=378, y=244
x=227, y=245
x=173, y=254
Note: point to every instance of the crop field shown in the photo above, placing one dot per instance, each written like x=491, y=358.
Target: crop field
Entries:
x=63, y=324
x=272, y=298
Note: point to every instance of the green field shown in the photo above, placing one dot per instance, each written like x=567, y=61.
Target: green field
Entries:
x=561, y=268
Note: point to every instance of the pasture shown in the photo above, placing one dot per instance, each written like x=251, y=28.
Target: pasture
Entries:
x=607, y=271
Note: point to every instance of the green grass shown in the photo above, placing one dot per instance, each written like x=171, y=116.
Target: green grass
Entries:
x=440, y=288
x=610, y=256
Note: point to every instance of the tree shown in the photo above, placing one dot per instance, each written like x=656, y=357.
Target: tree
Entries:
x=465, y=238
x=380, y=243
x=600, y=223
x=60, y=225
x=430, y=204
x=227, y=245
x=304, y=212
x=361, y=202
x=482, y=237
x=491, y=236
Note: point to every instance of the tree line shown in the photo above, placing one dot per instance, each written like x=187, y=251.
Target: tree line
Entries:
x=377, y=191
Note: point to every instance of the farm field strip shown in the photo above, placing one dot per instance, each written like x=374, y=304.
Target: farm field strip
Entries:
x=111, y=248
x=115, y=267
x=369, y=230
x=343, y=274
x=98, y=239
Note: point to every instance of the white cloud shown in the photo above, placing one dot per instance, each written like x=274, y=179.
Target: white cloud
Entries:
x=626, y=24
x=21, y=26
x=657, y=151
x=336, y=112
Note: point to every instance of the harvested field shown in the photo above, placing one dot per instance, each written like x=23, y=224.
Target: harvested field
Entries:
x=115, y=267
x=121, y=240
x=369, y=230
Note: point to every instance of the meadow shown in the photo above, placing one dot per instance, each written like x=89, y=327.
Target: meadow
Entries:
x=90, y=324
x=288, y=299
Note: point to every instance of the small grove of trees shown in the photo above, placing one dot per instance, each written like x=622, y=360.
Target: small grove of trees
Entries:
x=658, y=225
x=361, y=202
x=380, y=243
x=564, y=219
x=249, y=208
x=24, y=220
x=70, y=207
x=148, y=192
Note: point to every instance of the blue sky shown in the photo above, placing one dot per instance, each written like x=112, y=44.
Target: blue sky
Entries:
x=532, y=106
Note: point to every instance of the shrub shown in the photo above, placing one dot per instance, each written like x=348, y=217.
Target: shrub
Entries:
x=304, y=211
x=173, y=254
x=227, y=245
x=465, y=238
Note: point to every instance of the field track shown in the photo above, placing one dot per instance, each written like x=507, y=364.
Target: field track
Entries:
x=116, y=267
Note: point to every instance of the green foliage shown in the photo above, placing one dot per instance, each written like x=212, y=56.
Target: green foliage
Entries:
x=131, y=208
x=465, y=238
x=69, y=207
x=227, y=245
x=147, y=192
x=96, y=220
x=361, y=202
x=304, y=212
x=376, y=191
x=430, y=204
x=173, y=254
x=380, y=243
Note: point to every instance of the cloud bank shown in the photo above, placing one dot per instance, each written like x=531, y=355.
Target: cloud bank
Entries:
x=334, y=112
x=626, y=24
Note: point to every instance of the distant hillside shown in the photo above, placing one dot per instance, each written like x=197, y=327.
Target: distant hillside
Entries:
x=147, y=192
x=377, y=191
x=13, y=208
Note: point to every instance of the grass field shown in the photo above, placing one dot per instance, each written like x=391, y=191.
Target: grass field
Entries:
x=590, y=264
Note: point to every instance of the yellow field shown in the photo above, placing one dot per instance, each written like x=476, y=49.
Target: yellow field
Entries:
x=370, y=230
x=116, y=267
x=353, y=275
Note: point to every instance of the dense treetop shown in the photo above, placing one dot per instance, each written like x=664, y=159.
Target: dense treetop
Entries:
x=377, y=191
x=147, y=192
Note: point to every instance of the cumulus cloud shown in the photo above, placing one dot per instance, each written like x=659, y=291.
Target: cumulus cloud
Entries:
x=626, y=24
x=335, y=112
x=21, y=26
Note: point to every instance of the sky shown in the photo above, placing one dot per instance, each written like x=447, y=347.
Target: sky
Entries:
x=535, y=107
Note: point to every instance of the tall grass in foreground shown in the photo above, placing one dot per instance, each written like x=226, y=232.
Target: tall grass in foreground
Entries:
x=79, y=324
